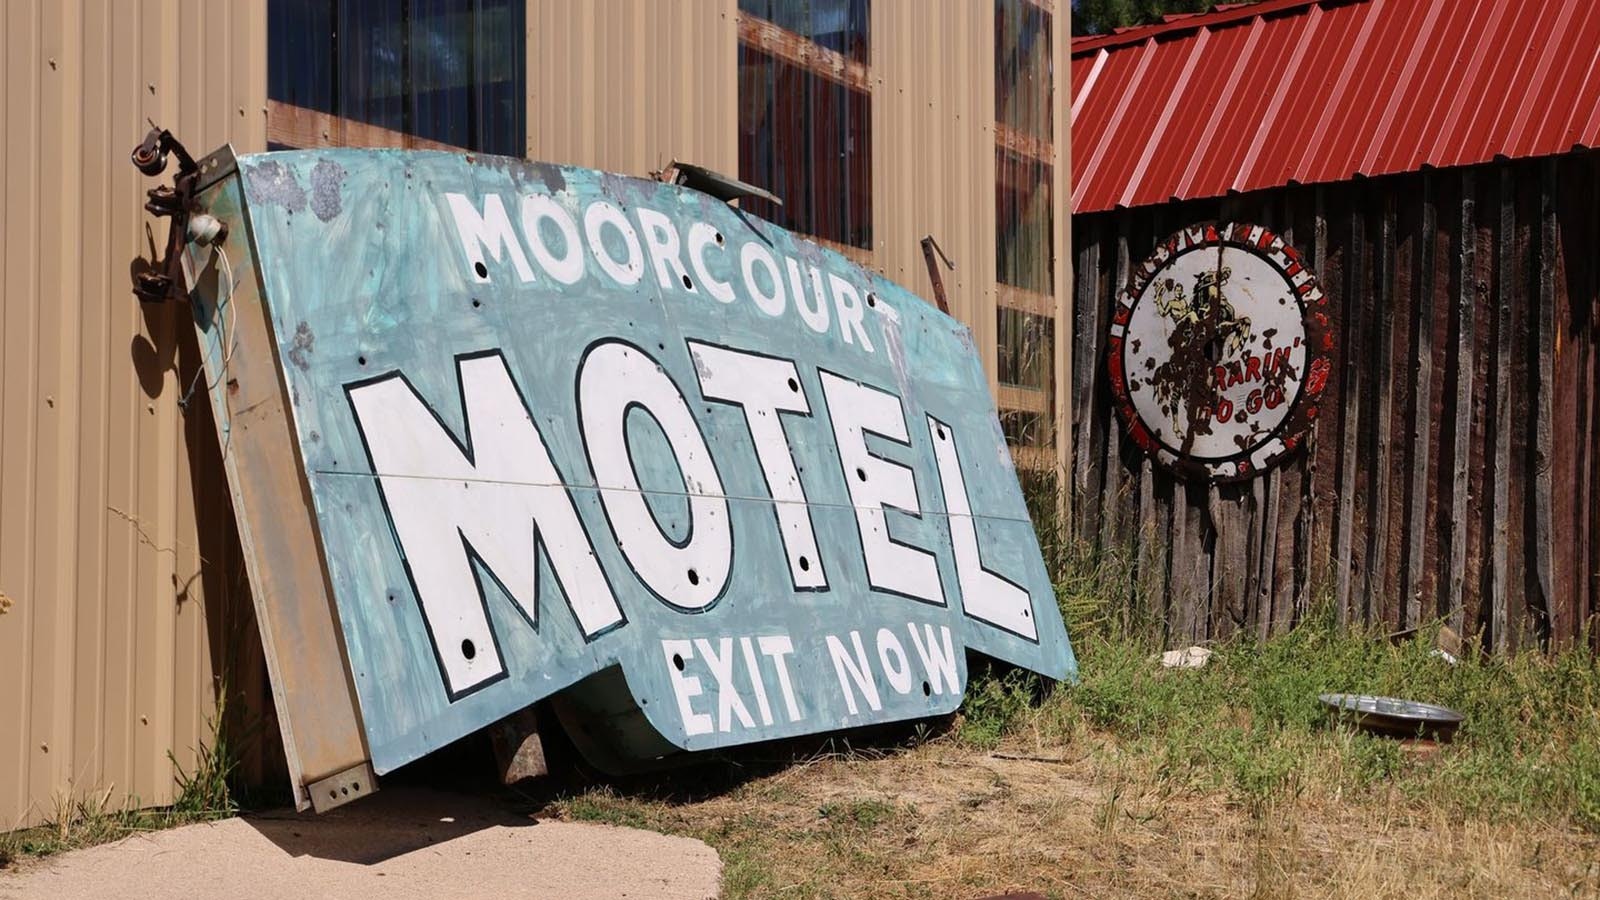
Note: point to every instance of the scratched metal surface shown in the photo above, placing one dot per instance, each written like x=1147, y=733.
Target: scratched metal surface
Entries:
x=365, y=276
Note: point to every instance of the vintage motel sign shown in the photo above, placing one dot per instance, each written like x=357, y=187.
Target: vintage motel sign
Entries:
x=560, y=429
x=1219, y=351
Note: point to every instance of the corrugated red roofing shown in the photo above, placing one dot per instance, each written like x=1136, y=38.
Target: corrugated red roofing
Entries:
x=1313, y=91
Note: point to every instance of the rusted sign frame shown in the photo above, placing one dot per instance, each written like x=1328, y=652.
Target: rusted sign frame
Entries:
x=1211, y=324
x=323, y=738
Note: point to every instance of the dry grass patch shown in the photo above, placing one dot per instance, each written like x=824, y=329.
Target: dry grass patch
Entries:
x=1227, y=781
x=946, y=820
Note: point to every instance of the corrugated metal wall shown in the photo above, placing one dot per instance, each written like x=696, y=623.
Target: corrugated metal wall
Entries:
x=934, y=167
x=1452, y=472
x=115, y=536
x=117, y=546
x=628, y=87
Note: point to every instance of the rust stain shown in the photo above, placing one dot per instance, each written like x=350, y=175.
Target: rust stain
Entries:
x=303, y=341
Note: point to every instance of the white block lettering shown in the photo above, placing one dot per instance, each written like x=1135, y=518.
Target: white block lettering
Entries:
x=898, y=672
x=939, y=662
x=762, y=705
x=661, y=239
x=702, y=237
x=496, y=498
x=877, y=484
x=540, y=208
x=857, y=670
x=729, y=704
x=762, y=387
x=750, y=256
x=984, y=594
x=491, y=231
x=685, y=687
x=613, y=379
x=851, y=311
x=775, y=648
x=626, y=271
x=814, y=314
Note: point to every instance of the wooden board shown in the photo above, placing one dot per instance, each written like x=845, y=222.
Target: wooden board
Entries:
x=1438, y=484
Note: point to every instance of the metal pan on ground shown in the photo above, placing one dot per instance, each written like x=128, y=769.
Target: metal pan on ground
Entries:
x=1394, y=716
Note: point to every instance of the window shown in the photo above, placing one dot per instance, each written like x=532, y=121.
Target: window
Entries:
x=445, y=73
x=805, y=115
x=1026, y=344
x=1024, y=219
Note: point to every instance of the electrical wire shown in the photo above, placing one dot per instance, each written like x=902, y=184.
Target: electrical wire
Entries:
x=227, y=320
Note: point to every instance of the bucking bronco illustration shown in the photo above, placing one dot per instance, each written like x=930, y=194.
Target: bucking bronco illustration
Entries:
x=1206, y=308
x=1206, y=331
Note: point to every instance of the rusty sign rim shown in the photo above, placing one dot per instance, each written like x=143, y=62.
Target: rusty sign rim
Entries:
x=1291, y=431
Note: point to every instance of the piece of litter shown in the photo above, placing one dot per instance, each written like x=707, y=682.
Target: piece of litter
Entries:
x=1187, y=658
x=1444, y=655
x=449, y=819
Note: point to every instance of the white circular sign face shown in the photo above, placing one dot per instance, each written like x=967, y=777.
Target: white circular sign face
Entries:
x=1219, y=351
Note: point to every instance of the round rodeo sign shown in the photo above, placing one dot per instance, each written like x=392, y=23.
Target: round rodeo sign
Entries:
x=1219, y=351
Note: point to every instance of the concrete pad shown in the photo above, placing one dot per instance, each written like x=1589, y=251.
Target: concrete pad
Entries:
x=397, y=845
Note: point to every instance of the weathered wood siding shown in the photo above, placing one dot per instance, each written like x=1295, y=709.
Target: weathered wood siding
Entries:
x=1452, y=473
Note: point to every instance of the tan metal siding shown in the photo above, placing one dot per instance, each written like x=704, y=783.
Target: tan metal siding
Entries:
x=933, y=72
x=116, y=540
x=1062, y=46
x=627, y=86
x=933, y=170
x=109, y=496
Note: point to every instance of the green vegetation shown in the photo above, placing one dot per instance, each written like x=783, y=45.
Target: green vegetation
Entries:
x=1101, y=16
x=204, y=795
x=1138, y=780
x=1249, y=722
x=1224, y=780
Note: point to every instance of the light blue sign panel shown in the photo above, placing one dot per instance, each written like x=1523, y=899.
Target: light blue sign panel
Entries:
x=557, y=421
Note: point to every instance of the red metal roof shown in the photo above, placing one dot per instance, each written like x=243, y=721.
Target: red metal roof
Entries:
x=1312, y=91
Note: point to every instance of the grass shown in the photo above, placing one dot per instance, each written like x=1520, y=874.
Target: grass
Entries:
x=205, y=794
x=1228, y=780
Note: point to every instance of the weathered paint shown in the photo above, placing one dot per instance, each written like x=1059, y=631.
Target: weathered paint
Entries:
x=1434, y=284
x=555, y=420
x=316, y=707
x=1218, y=351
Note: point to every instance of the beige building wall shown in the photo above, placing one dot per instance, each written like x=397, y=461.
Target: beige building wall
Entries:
x=113, y=563
x=629, y=87
x=1065, y=279
x=933, y=167
x=117, y=551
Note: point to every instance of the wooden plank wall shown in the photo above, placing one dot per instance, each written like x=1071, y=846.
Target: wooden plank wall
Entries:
x=1452, y=474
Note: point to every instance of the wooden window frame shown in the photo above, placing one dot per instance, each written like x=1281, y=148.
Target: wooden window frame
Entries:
x=1018, y=398
x=801, y=52
x=305, y=128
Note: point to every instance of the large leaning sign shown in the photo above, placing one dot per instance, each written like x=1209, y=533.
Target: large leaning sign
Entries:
x=565, y=429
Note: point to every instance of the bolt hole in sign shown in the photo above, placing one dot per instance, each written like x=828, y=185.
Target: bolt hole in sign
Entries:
x=566, y=431
x=1219, y=351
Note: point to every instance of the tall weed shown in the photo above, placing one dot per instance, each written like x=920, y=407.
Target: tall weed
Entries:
x=1250, y=723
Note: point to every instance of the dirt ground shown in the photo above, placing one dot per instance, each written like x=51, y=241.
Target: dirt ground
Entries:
x=942, y=821
x=400, y=844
